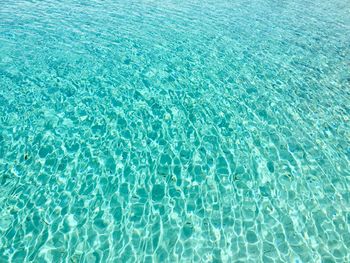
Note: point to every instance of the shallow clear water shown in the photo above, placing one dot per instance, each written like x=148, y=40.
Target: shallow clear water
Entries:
x=175, y=131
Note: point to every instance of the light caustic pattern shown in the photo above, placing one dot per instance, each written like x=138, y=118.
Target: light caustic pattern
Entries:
x=174, y=131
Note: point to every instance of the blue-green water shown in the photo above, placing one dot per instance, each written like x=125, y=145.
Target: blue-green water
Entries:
x=175, y=131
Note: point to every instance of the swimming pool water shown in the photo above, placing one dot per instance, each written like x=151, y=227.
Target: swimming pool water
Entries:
x=175, y=131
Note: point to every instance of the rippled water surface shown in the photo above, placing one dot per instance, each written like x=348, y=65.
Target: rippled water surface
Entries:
x=175, y=131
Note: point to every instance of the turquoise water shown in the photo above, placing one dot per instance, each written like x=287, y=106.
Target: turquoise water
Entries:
x=175, y=131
